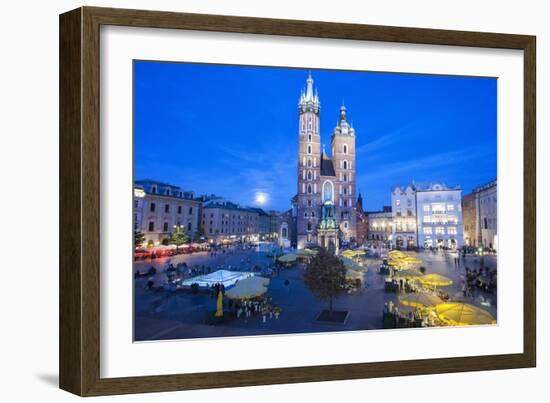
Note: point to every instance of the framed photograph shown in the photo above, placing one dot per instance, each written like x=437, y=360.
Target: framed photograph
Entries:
x=249, y=201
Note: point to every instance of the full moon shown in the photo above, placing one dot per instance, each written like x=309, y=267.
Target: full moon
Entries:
x=261, y=198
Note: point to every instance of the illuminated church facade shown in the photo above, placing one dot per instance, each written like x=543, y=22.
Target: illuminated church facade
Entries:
x=325, y=203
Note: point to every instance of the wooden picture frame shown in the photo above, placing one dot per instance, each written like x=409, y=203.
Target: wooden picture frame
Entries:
x=80, y=199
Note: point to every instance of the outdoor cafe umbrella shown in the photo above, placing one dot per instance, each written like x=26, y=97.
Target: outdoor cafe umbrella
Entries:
x=307, y=252
x=350, y=263
x=246, y=289
x=354, y=275
x=289, y=258
x=420, y=300
x=409, y=273
x=460, y=314
x=435, y=280
x=263, y=281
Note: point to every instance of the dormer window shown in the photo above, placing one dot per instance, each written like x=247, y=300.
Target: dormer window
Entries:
x=167, y=192
x=154, y=189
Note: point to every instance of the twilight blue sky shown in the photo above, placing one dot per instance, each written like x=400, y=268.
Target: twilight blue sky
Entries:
x=233, y=130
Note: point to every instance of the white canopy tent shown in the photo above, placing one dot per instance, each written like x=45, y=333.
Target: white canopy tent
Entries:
x=225, y=277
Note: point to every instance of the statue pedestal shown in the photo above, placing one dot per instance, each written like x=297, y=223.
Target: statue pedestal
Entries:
x=328, y=239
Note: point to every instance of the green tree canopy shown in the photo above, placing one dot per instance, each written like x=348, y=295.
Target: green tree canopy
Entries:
x=179, y=236
x=139, y=238
x=325, y=276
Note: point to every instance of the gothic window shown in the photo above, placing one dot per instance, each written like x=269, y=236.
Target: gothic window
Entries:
x=312, y=214
x=309, y=203
x=345, y=148
x=328, y=191
x=345, y=191
x=309, y=149
x=345, y=165
x=309, y=175
x=309, y=138
x=309, y=189
x=309, y=162
x=306, y=215
x=345, y=177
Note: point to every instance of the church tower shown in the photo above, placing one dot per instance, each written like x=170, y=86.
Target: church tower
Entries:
x=308, y=201
x=343, y=161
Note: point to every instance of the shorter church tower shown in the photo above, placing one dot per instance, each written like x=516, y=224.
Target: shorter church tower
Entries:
x=343, y=161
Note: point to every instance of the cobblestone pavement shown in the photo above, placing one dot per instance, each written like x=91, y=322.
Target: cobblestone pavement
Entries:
x=162, y=315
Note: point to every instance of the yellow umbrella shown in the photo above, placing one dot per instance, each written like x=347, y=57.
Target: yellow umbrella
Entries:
x=289, y=258
x=219, y=305
x=396, y=254
x=246, y=289
x=409, y=273
x=435, y=279
x=420, y=300
x=460, y=314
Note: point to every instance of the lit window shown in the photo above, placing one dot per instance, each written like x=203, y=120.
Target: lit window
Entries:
x=426, y=207
x=451, y=230
x=398, y=202
x=440, y=230
x=450, y=207
x=427, y=230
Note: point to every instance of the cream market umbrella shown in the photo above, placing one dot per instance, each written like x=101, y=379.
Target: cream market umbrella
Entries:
x=460, y=314
x=436, y=280
x=246, y=289
x=263, y=281
x=289, y=258
x=354, y=275
x=420, y=300
x=307, y=252
x=350, y=263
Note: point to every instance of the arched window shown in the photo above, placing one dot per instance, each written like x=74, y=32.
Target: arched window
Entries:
x=308, y=175
x=345, y=165
x=306, y=215
x=328, y=191
x=309, y=203
x=309, y=149
x=345, y=148
x=309, y=226
x=345, y=177
x=312, y=214
x=309, y=162
x=345, y=191
x=309, y=137
x=154, y=189
x=309, y=189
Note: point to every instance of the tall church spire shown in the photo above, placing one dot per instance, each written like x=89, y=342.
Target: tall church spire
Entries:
x=309, y=99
